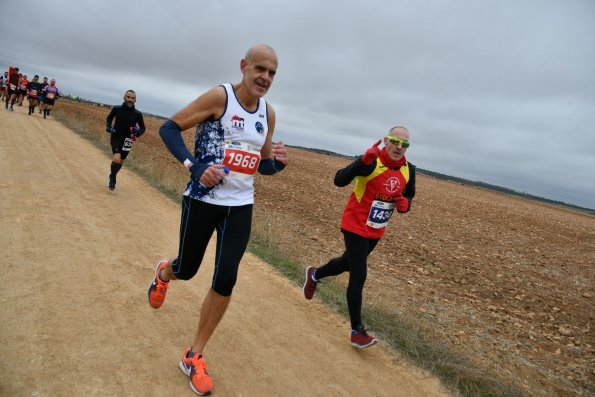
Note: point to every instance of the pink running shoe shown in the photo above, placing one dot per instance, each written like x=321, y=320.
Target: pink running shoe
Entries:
x=310, y=284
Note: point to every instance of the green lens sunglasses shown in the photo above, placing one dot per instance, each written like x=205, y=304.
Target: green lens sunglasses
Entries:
x=396, y=141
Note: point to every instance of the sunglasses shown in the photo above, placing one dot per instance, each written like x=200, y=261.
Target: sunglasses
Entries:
x=396, y=141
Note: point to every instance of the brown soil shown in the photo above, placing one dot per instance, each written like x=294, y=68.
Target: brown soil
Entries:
x=74, y=318
x=507, y=282
x=504, y=281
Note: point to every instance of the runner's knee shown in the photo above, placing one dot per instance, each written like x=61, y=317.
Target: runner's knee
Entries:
x=183, y=270
x=185, y=274
x=223, y=283
x=357, y=275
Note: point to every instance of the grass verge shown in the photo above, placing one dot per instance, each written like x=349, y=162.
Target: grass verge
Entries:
x=403, y=335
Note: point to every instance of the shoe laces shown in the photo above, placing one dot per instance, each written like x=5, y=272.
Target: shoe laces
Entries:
x=200, y=367
x=162, y=287
x=362, y=329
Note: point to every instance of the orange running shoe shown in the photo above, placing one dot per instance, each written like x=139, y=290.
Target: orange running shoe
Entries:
x=158, y=288
x=196, y=368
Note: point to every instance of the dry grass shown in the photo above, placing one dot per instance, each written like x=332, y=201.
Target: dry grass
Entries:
x=404, y=333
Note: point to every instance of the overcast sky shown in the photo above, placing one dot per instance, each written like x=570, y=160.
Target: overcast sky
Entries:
x=499, y=91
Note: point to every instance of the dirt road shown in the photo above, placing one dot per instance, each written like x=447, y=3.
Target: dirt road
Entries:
x=74, y=318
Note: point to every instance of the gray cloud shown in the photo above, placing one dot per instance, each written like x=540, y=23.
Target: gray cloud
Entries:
x=497, y=91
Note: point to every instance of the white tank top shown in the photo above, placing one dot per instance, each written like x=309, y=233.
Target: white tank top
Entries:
x=234, y=140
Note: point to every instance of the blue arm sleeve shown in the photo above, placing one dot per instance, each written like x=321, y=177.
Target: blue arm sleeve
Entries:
x=171, y=134
x=270, y=167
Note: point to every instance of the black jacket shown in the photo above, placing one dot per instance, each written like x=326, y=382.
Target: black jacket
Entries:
x=126, y=117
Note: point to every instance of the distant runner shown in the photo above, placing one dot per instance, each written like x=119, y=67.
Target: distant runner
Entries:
x=12, y=87
x=128, y=126
x=384, y=181
x=44, y=84
x=3, y=80
x=23, y=83
x=33, y=91
x=51, y=94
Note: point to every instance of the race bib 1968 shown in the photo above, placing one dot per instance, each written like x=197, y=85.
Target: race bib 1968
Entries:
x=241, y=158
x=380, y=213
x=50, y=95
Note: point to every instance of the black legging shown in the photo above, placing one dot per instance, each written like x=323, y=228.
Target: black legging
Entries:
x=199, y=221
x=355, y=261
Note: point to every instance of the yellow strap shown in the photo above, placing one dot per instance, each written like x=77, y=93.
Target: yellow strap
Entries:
x=362, y=181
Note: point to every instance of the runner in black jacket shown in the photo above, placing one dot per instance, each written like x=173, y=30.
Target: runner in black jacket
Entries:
x=128, y=126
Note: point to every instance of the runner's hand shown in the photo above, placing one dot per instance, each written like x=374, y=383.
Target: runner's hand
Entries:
x=371, y=154
x=402, y=204
x=280, y=152
x=212, y=175
x=110, y=130
x=133, y=137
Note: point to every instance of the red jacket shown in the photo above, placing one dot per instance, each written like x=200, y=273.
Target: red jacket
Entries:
x=372, y=202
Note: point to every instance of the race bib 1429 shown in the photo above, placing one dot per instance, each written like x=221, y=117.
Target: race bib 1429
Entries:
x=380, y=213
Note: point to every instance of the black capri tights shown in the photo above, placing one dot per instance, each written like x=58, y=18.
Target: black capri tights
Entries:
x=199, y=220
x=355, y=261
